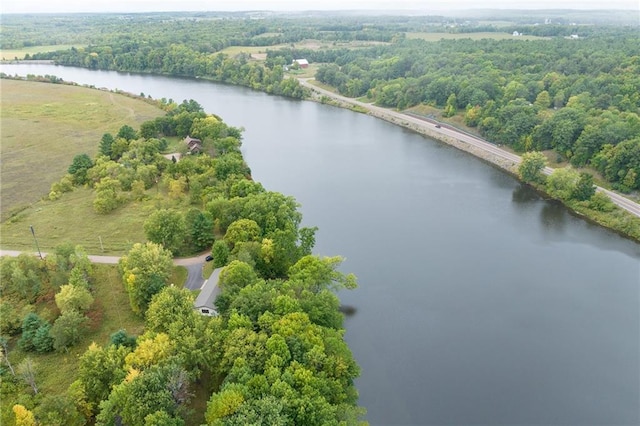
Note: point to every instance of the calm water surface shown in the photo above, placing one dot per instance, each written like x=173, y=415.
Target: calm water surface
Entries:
x=479, y=302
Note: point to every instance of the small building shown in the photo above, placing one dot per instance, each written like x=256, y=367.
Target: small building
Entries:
x=208, y=293
x=516, y=34
x=194, y=146
x=302, y=63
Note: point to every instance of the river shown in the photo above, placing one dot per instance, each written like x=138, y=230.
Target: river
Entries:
x=478, y=301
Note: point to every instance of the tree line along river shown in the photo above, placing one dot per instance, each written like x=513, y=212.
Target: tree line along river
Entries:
x=478, y=301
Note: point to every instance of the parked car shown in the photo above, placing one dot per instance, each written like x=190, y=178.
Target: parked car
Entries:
x=438, y=126
x=208, y=258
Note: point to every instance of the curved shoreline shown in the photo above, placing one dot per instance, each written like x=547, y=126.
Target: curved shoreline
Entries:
x=474, y=145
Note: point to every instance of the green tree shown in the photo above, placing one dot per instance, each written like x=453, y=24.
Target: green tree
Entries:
x=145, y=271
x=121, y=338
x=126, y=132
x=21, y=278
x=562, y=183
x=67, y=330
x=171, y=309
x=162, y=418
x=543, y=100
x=223, y=404
x=105, y=144
x=200, y=227
x=11, y=317
x=99, y=370
x=73, y=298
x=531, y=166
x=236, y=276
x=316, y=274
x=145, y=394
x=108, y=196
x=42, y=341
x=585, y=188
x=35, y=334
x=242, y=230
x=78, y=168
x=601, y=202
x=220, y=253
x=58, y=410
x=450, y=109
x=166, y=227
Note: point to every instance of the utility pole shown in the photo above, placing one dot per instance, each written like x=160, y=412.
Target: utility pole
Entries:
x=36, y=240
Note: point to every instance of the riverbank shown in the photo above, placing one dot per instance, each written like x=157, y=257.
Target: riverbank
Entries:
x=626, y=224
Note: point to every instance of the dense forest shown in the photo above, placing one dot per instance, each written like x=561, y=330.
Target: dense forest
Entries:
x=274, y=355
x=574, y=90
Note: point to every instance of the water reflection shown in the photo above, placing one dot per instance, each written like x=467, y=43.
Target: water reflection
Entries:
x=553, y=217
x=524, y=194
x=348, y=310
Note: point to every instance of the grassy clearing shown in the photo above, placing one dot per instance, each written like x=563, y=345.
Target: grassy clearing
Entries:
x=72, y=219
x=207, y=270
x=43, y=126
x=472, y=36
x=13, y=54
x=179, y=276
x=309, y=72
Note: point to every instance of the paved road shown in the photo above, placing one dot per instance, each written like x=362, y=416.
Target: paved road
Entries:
x=623, y=202
x=193, y=264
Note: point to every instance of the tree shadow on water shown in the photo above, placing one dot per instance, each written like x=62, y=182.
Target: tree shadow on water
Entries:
x=553, y=217
x=348, y=310
x=524, y=194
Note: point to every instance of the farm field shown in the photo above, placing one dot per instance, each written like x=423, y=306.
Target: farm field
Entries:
x=43, y=126
x=18, y=54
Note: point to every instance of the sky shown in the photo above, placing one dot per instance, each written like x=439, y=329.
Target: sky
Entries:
x=71, y=6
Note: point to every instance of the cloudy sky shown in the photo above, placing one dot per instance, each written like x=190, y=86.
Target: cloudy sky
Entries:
x=65, y=6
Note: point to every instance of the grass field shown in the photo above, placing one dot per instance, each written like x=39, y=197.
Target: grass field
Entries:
x=13, y=54
x=72, y=219
x=472, y=36
x=43, y=126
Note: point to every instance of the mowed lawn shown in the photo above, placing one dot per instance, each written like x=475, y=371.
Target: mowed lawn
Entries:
x=43, y=126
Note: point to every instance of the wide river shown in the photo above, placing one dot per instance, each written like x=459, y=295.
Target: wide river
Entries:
x=478, y=301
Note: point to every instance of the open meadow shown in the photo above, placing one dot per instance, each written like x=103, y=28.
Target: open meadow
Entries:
x=43, y=126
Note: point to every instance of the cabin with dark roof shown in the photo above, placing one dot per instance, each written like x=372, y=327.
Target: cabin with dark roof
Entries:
x=194, y=146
